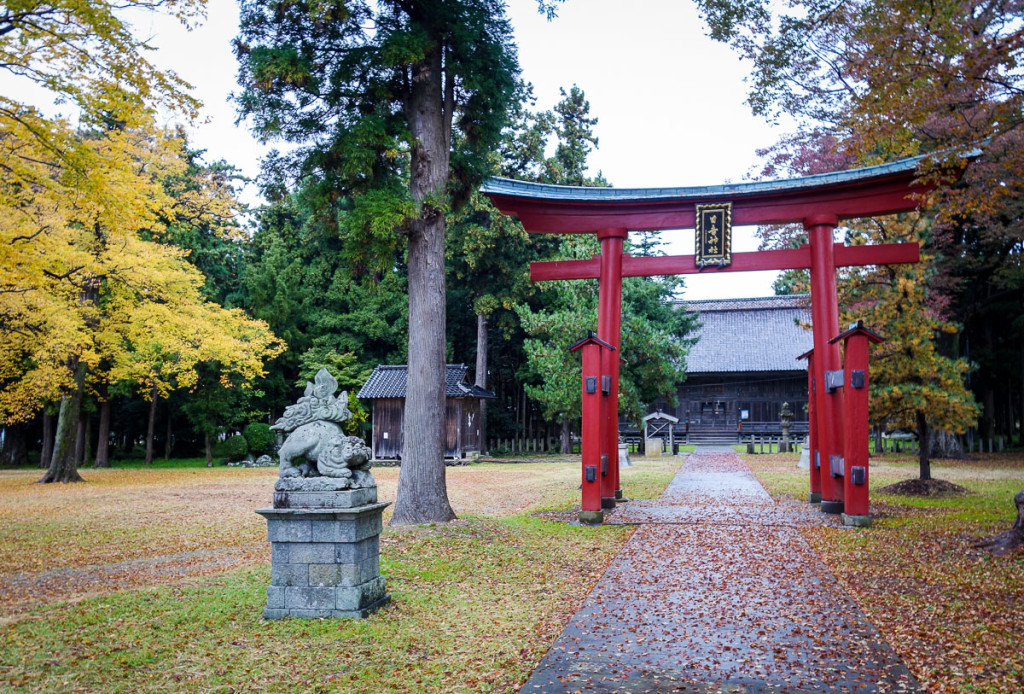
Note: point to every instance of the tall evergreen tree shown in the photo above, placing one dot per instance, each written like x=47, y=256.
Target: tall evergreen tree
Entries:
x=371, y=93
x=656, y=337
x=576, y=139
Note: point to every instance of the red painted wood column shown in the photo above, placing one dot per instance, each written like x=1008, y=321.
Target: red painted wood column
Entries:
x=812, y=431
x=609, y=327
x=593, y=402
x=856, y=342
x=825, y=319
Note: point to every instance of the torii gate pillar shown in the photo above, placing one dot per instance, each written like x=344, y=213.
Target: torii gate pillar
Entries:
x=827, y=362
x=856, y=341
x=609, y=329
x=596, y=392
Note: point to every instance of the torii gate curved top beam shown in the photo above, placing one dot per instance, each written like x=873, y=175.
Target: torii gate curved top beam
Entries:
x=871, y=191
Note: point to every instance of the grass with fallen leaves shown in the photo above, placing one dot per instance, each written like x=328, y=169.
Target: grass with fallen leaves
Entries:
x=952, y=612
x=155, y=580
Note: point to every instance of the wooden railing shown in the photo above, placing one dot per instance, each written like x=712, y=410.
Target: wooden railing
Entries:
x=537, y=444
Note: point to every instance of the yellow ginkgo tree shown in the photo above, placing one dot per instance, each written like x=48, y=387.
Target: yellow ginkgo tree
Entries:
x=85, y=294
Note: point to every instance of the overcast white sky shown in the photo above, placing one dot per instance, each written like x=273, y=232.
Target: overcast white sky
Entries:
x=670, y=101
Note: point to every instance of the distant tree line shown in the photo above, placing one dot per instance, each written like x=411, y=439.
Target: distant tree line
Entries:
x=183, y=325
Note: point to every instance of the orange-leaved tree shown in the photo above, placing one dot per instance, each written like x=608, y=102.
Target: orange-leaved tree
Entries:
x=913, y=384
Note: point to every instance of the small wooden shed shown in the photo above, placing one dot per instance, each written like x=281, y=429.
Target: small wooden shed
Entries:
x=386, y=388
x=660, y=425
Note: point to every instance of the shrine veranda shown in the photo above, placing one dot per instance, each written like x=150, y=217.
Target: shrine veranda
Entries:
x=837, y=390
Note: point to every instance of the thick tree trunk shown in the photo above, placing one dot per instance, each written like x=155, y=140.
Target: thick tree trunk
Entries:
x=522, y=411
x=47, y=454
x=208, y=445
x=62, y=463
x=103, y=437
x=481, y=375
x=988, y=408
x=422, y=490
x=1020, y=438
x=79, y=441
x=15, y=445
x=151, y=426
x=924, y=446
x=566, y=438
x=1012, y=538
x=87, y=457
x=168, y=440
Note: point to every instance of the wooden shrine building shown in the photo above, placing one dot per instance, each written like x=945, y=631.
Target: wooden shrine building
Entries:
x=386, y=388
x=742, y=368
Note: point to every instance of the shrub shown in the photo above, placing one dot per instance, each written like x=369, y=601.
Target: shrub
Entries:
x=260, y=438
x=231, y=448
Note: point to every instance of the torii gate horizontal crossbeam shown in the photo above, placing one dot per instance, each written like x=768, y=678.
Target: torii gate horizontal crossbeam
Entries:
x=784, y=259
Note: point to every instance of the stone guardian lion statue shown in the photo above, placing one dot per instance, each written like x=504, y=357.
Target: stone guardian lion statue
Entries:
x=315, y=435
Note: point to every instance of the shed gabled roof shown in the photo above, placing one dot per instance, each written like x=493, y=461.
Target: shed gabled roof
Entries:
x=390, y=382
x=750, y=335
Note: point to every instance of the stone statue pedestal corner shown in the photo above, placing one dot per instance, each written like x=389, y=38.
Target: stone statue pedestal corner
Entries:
x=325, y=562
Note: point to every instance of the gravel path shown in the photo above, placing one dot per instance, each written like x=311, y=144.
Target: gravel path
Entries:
x=718, y=592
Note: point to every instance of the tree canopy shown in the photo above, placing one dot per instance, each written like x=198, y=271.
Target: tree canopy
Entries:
x=870, y=81
x=90, y=296
x=372, y=95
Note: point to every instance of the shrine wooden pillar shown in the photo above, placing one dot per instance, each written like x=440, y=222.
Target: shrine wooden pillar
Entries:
x=827, y=360
x=595, y=384
x=856, y=343
x=609, y=328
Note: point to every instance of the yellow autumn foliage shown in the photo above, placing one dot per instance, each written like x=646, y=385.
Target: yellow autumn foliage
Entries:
x=80, y=283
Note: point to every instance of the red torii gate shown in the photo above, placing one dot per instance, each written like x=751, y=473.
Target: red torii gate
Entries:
x=818, y=202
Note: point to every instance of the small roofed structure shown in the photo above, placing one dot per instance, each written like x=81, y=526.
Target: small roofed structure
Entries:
x=386, y=388
x=659, y=425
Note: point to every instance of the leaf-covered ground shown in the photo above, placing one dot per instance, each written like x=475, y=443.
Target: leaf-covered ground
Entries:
x=155, y=581
x=952, y=612
x=718, y=592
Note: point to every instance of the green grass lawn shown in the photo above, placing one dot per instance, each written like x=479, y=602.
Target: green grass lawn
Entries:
x=474, y=607
x=475, y=603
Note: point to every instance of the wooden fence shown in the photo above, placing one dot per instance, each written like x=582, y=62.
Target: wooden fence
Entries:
x=537, y=444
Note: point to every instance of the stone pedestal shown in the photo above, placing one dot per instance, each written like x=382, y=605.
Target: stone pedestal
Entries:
x=325, y=553
x=856, y=521
x=805, y=457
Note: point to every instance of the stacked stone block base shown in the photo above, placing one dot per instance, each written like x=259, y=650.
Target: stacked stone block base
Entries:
x=325, y=562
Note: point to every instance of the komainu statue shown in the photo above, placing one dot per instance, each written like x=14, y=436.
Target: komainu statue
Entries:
x=313, y=425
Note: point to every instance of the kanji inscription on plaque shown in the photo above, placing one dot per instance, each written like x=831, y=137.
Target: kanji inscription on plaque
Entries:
x=714, y=235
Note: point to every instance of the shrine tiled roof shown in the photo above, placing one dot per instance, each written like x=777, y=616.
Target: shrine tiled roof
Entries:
x=750, y=335
x=388, y=381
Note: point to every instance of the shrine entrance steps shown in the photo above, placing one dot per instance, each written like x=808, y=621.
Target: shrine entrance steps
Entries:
x=717, y=591
x=712, y=437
